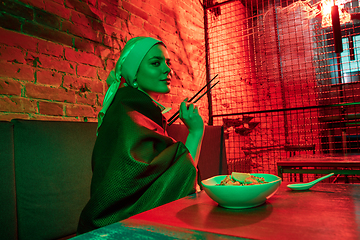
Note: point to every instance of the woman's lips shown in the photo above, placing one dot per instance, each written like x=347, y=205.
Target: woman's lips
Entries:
x=168, y=81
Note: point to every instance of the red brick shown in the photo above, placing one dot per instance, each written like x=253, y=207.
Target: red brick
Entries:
x=153, y=20
x=80, y=111
x=92, y=119
x=10, y=87
x=116, y=43
x=91, y=2
x=84, y=44
x=36, y=3
x=171, y=21
x=80, y=7
x=11, y=54
x=103, y=52
x=81, y=31
x=114, y=21
x=103, y=74
x=17, y=104
x=135, y=10
x=10, y=116
x=10, y=22
x=48, y=77
x=100, y=100
x=87, y=98
x=186, y=8
x=53, y=118
x=97, y=13
x=29, y=106
x=86, y=21
x=47, y=33
x=50, y=62
x=154, y=3
x=114, y=11
x=137, y=3
x=50, y=108
x=83, y=57
x=86, y=71
x=50, y=48
x=168, y=11
x=168, y=28
x=123, y=14
x=46, y=18
x=17, y=71
x=126, y=34
x=18, y=40
x=82, y=84
x=167, y=98
x=17, y=9
x=61, y=2
x=114, y=55
x=135, y=32
x=110, y=64
x=49, y=93
x=114, y=32
x=79, y=18
x=109, y=2
x=136, y=21
x=57, y=9
x=152, y=29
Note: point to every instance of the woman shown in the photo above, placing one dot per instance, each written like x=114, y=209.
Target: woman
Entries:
x=136, y=166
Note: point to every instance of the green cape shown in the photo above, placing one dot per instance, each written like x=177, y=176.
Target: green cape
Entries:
x=136, y=166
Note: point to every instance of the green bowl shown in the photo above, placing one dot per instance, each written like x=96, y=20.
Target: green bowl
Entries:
x=239, y=197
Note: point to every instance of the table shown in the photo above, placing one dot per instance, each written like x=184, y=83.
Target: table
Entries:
x=327, y=211
x=320, y=164
x=342, y=121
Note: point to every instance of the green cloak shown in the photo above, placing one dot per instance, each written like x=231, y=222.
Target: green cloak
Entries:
x=136, y=165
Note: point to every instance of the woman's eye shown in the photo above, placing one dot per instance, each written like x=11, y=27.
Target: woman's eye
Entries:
x=156, y=64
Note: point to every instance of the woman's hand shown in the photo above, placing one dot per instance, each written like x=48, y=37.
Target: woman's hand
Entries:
x=195, y=124
x=191, y=117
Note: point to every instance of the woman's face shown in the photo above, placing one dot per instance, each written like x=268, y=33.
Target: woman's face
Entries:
x=154, y=74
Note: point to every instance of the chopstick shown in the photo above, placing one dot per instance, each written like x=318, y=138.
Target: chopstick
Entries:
x=177, y=113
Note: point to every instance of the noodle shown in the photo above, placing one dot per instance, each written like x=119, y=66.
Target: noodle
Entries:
x=251, y=180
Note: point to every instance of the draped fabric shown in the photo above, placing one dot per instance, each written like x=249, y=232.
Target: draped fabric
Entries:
x=136, y=166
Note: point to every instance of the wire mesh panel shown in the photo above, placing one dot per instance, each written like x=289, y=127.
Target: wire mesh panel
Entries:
x=286, y=87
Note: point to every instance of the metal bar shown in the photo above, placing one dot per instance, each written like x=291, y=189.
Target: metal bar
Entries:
x=322, y=171
x=219, y=4
x=207, y=63
x=287, y=109
x=281, y=75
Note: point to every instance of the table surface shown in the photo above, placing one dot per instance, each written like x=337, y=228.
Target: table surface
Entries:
x=326, y=211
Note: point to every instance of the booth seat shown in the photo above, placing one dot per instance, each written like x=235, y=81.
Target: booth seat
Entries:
x=45, y=169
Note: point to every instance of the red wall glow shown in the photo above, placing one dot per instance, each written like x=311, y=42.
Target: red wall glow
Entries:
x=56, y=55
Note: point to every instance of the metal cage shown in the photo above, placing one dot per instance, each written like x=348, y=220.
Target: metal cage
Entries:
x=289, y=79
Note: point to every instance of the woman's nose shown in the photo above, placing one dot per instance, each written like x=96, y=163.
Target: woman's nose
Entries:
x=167, y=69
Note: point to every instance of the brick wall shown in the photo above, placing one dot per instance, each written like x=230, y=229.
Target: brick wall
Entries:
x=55, y=55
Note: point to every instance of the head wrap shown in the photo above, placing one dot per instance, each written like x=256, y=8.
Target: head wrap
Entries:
x=136, y=55
x=129, y=70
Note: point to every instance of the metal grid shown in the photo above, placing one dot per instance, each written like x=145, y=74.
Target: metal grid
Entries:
x=283, y=88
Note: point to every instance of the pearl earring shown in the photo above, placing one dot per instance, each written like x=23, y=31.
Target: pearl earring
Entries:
x=135, y=84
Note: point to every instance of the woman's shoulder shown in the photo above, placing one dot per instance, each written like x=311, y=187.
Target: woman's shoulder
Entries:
x=133, y=99
x=132, y=96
